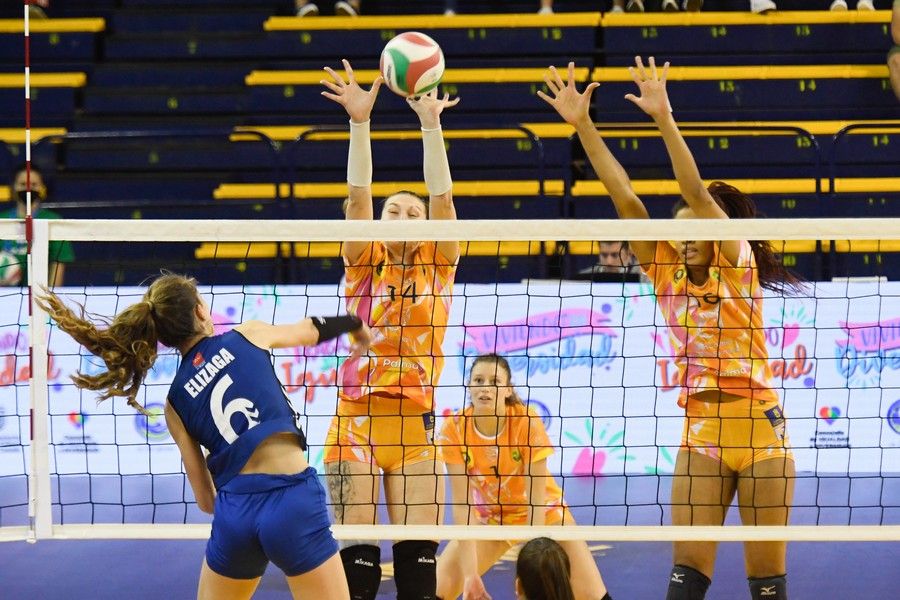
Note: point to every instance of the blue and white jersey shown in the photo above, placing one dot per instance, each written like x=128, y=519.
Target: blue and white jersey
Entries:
x=230, y=400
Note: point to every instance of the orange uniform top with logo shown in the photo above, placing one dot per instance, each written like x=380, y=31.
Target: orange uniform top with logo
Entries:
x=407, y=308
x=716, y=329
x=497, y=465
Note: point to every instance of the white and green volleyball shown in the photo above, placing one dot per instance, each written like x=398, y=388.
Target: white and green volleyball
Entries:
x=412, y=64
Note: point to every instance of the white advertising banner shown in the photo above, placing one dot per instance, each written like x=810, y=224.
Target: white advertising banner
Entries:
x=593, y=359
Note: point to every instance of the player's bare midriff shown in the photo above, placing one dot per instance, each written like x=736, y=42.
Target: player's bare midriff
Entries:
x=278, y=454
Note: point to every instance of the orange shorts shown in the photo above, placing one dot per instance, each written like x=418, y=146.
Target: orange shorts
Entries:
x=556, y=515
x=737, y=433
x=380, y=430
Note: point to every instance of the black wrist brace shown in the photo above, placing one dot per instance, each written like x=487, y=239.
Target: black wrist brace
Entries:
x=332, y=327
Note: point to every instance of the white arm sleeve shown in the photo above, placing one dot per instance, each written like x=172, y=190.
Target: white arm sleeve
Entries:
x=359, y=157
x=437, y=169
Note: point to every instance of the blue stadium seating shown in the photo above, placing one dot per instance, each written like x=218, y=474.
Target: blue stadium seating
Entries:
x=210, y=66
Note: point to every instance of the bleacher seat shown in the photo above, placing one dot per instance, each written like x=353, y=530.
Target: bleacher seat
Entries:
x=53, y=98
x=758, y=92
x=735, y=38
x=473, y=199
x=52, y=41
x=248, y=65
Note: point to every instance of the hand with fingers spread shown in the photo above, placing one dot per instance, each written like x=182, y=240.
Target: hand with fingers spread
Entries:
x=571, y=105
x=654, y=100
x=356, y=101
x=429, y=108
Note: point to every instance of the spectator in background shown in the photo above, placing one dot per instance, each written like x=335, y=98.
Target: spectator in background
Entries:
x=61, y=252
x=894, y=53
x=450, y=7
x=37, y=9
x=757, y=6
x=615, y=258
x=762, y=6
x=350, y=8
x=860, y=5
x=638, y=5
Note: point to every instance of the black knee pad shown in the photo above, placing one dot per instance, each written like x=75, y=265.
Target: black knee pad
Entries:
x=415, y=570
x=686, y=583
x=362, y=566
x=768, y=588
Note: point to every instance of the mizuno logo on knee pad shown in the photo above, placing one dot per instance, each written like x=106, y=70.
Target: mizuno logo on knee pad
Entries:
x=768, y=591
x=677, y=578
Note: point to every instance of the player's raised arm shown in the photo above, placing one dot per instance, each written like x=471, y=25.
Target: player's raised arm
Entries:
x=358, y=104
x=573, y=106
x=435, y=165
x=654, y=100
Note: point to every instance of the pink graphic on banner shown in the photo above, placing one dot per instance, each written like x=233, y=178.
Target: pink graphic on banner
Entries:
x=791, y=333
x=589, y=462
x=544, y=328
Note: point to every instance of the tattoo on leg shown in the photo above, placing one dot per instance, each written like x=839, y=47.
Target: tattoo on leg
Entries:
x=339, y=487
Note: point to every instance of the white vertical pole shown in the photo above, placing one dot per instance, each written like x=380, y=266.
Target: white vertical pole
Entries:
x=39, y=507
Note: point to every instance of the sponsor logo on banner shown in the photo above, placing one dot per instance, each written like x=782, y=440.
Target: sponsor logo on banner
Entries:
x=830, y=430
x=77, y=419
x=152, y=428
x=869, y=350
x=77, y=440
x=893, y=417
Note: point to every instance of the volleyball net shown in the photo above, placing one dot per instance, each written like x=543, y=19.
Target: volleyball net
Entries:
x=588, y=349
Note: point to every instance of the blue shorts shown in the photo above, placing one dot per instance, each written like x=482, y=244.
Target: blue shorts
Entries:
x=260, y=518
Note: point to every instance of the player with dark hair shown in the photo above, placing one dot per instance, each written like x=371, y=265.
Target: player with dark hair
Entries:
x=266, y=501
x=710, y=294
x=543, y=571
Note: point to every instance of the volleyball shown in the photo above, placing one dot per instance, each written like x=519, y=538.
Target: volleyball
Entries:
x=412, y=64
x=10, y=269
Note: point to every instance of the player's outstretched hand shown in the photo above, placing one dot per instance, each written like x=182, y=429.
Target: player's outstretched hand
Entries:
x=429, y=107
x=355, y=100
x=654, y=100
x=571, y=104
x=361, y=340
x=473, y=589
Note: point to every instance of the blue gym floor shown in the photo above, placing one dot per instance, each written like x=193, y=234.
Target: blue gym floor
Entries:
x=156, y=570
x=164, y=570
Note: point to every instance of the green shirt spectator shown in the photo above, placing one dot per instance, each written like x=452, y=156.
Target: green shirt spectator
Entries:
x=13, y=266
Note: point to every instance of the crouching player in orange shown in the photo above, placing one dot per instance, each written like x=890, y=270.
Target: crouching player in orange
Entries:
x=495, y=451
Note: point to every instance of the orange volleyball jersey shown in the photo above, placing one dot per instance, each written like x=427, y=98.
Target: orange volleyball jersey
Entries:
x=407, y=308
x=497, y=466
x=716, y=329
